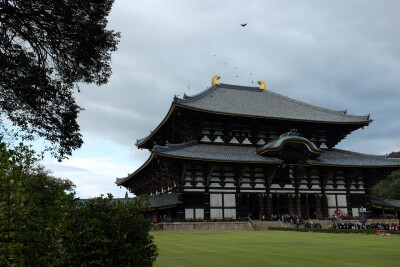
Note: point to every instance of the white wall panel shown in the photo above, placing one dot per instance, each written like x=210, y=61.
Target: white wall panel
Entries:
x=215, y=214
x=331, y=200
x=230, y=213
x=215, y=200
x=189, y=214
x=341, y=200
x=199, y=214
x=229, y=200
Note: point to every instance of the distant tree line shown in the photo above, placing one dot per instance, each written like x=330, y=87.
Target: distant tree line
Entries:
x=42, y=223
x=388, y=188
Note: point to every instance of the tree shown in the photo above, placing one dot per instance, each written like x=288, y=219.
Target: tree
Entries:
x=34, y=209
x=108, y=232
x=43, y=224
x=47, y=47
x=388, y=188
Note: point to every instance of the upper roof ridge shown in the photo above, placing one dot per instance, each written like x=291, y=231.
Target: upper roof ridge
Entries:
x=188, y=99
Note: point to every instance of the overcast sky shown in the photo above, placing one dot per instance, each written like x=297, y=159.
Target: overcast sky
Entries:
x=337, y=55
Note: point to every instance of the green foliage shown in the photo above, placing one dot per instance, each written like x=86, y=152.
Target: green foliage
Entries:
x=388, y=188
x=46, y=49
x=107, y=232
x=33, y=209
x=43, y=224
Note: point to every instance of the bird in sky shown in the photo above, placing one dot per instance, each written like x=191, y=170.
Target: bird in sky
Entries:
x=243, y=24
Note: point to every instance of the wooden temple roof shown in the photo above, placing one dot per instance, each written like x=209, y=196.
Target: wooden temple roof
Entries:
x=241, y=154
x=244, y=101
x=255, y=102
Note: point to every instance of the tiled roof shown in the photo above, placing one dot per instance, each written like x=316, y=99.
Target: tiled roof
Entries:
x=386, y=202
x=337, y=157
x=251, y=101
x=164, y=200
x=242, y=154
x=193, y=150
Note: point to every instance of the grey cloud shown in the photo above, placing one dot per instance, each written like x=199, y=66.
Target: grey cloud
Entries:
x=339, y=55
x=59, y=168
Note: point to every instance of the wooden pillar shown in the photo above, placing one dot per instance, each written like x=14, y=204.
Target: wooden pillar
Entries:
x=207, y=204
x=239, y=196
x=248, y=205
x=268, y=206
x=180, y=208
x=208, y=171
x=261, y=210
x=325, y=175
x=239, y=206
x=298, y=204
x=348, y=200
x=307, y=207
x=269, y=176
x=324, y=205
x=350, y=176
x=278, y=206
x=291, y=204
x=298, y=176
x=318, y=206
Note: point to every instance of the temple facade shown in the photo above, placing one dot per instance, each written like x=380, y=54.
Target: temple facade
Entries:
x=232, y=152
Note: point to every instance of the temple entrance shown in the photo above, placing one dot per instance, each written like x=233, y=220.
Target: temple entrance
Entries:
x=308, y=206
x=251, y=204
x=280, y=204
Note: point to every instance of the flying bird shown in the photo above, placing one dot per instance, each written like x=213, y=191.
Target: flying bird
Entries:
x=243, y=24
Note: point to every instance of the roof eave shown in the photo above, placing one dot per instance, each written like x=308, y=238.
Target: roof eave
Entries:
x=143, y=141
x=361, y=123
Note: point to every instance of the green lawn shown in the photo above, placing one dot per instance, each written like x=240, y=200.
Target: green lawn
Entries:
x=275, y=248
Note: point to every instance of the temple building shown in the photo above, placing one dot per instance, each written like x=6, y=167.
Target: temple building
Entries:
x=233, y=151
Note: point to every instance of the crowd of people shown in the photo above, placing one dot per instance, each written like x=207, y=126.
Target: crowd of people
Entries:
x=355, y=226
x=289, y=218
x=310, y=225
x=299, y=223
